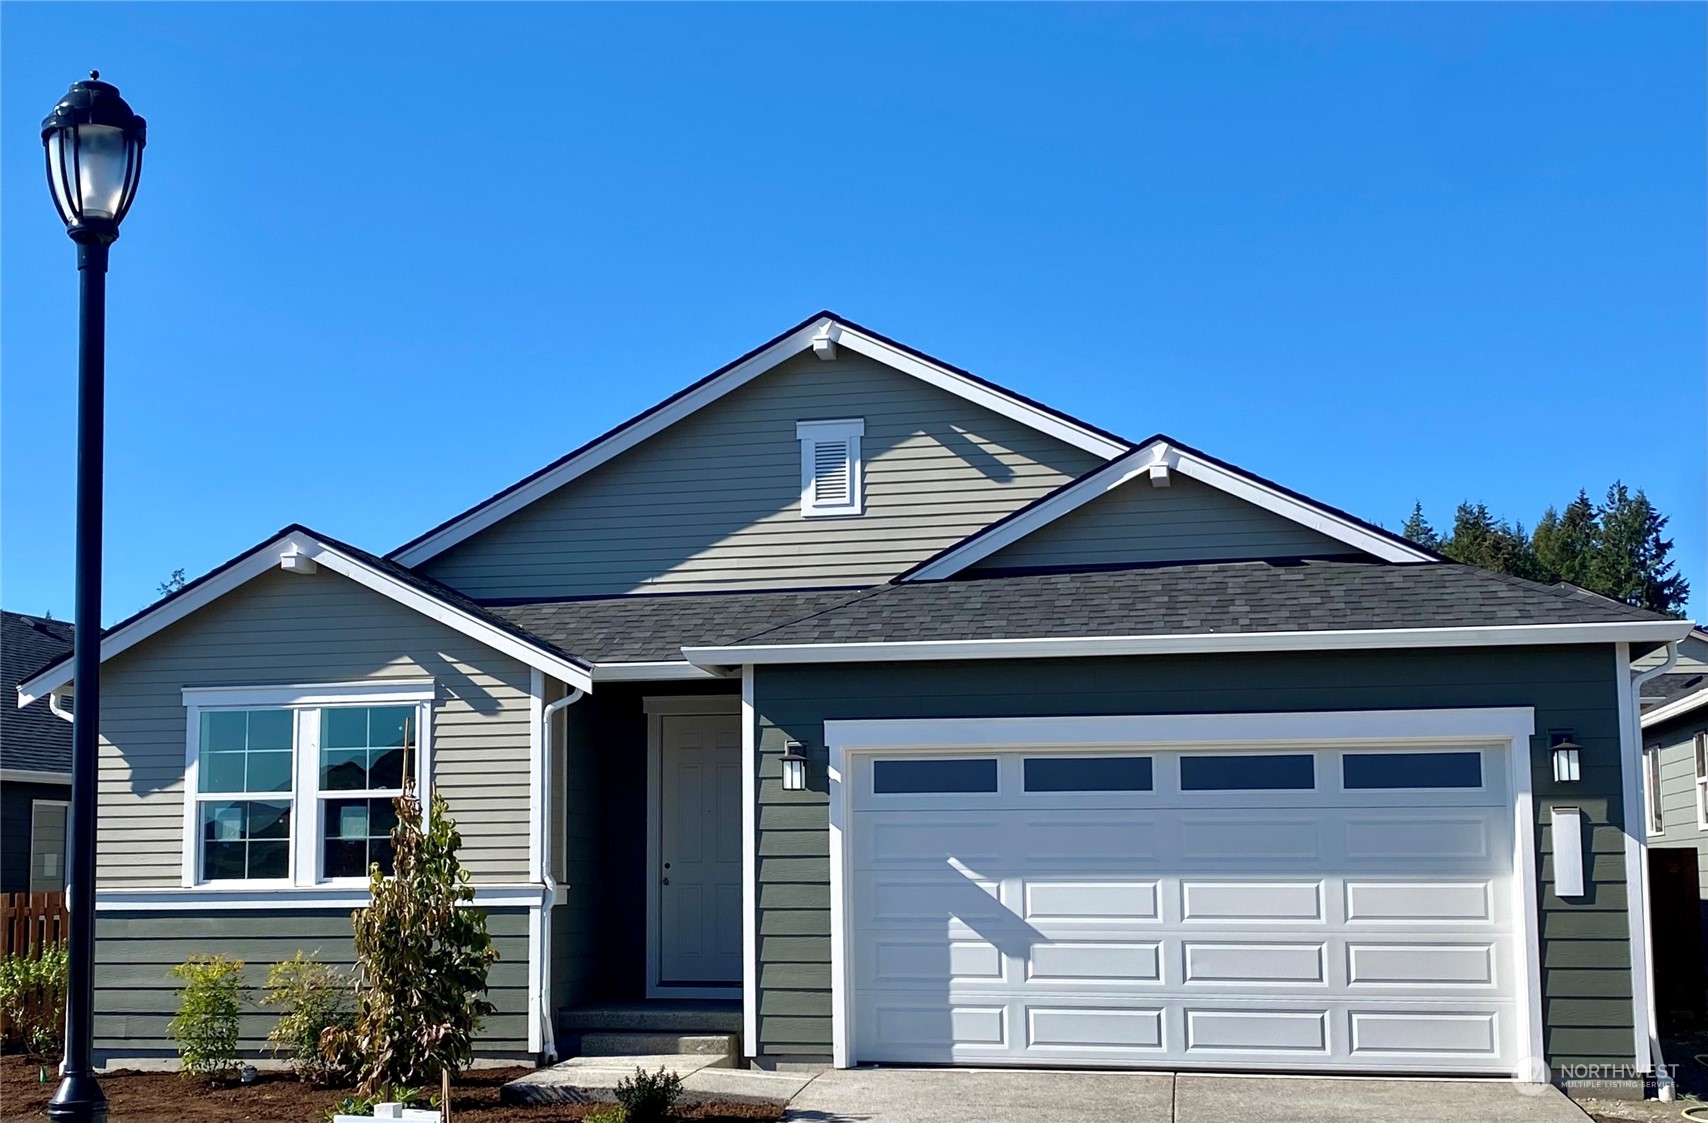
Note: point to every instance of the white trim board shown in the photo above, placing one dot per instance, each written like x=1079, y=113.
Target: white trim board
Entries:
x=300, y=542
x=1636, y=631
x=1510, y=727
x=1133, y=469
x=1677, y=706
x=841, y=333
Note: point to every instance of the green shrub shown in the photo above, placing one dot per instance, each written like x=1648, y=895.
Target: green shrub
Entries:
x=32, y=997
x=422, y=957
x=648, y=1097
x=610, y=1113
x=205, y=1027
x=314, y=998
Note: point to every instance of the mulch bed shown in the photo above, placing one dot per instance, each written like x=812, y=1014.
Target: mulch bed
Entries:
x=164, y=1097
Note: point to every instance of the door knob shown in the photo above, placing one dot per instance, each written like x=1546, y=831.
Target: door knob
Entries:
x=667, y=881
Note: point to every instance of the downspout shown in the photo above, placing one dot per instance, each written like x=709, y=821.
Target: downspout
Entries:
x=54, y=704
x=1663, y=1083
x=548, y=1036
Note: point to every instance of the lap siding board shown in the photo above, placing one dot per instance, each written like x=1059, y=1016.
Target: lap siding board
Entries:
x=1584, y=953
x=136, y=994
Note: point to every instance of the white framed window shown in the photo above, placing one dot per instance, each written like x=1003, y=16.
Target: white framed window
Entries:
x=1701, y=745
x=1652, y=789
x=831, y=470
x=293, y=786
x=47, y=845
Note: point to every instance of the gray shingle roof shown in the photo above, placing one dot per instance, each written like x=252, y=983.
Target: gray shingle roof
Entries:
x=1670, y=688
x=32, y=738
x=650, y=628
x=1226, y=597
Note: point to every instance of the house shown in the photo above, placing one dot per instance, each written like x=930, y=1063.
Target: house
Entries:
x=898, y=717
x=35, y=761
x=1675, y=800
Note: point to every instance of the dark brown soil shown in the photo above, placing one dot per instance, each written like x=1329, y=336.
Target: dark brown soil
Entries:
x=163, y=1097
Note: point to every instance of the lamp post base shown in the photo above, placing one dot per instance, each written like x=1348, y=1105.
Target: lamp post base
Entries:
x=79, y=1099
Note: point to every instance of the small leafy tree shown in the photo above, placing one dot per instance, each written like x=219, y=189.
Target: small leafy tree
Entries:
x=205, y=1027
x=172, y=584
x=422, y=957
x=314, y=998
x=32, y=996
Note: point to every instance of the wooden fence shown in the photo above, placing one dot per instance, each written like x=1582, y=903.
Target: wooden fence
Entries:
x=30, y=922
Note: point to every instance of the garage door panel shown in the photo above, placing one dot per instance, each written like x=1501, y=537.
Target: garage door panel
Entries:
x=1106, y=962
x=1248, y=962
x=1256, y=901
x=1409, y=902
x=1335, y=931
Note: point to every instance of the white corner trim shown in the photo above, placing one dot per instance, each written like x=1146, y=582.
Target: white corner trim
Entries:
x=663, y=670
x=797, y=341
x=749, y=868
x=210, y=899
x=32, y=776
x=1632, y=781
x=1676, y=707
x=1510, y=727
x=1148, y=462
x=1209, y=642
x=264, y=559
x=373, y=691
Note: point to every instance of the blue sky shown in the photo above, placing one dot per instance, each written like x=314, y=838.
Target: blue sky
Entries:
x=388, y=259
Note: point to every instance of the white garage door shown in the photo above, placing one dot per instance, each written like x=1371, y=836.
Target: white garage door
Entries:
x=1264, y=909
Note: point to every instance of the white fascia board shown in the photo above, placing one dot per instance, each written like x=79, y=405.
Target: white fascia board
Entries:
x=786, y=348
x=1139, y=463
x=1336, y=727
x=32, y=776
x=979, y=394
x=266, y=558
x=1676, y=707
x=661, y=671
x=1363, y=639
x=452, y=617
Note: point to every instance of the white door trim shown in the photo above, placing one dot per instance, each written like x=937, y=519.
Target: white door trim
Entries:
x=1510, y=726
x=656, y=708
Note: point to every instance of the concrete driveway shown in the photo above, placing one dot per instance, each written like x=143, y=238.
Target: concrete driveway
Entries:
x=919, y=1095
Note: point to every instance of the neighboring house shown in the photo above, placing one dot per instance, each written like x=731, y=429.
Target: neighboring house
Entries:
x=35, y=761
x=1114, y=754
x=1675, y=756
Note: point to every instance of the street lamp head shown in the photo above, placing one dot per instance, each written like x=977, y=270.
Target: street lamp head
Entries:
x=94, y=158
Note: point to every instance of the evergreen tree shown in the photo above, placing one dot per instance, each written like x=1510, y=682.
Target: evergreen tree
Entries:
x=1418, y=530
x=1482, y=540
x=1566, y=544
x=1632, y=564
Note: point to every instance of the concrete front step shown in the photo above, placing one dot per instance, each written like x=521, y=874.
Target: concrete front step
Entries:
x=685, y=1016
x=595, y=1079
x=725, y=1046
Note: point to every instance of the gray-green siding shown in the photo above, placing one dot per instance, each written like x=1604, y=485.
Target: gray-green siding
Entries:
x=713, y=502
x=322, y=628
x=1186, y=521
x=1586, y=987
x=1681, y=822
x=136, y=995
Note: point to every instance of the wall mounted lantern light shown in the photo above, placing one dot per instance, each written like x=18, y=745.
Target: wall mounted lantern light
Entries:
x=794, y=768
x=1567, y=769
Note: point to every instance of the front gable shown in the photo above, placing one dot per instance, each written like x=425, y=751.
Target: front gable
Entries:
x=713, y=501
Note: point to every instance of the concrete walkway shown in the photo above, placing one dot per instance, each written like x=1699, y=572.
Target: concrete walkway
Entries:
x=914, y=1095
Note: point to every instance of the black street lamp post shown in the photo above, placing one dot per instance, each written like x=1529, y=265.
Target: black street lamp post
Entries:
x=94, y=159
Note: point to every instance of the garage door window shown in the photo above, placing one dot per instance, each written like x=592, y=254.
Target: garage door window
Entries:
x=1088, y=774
x=932, y=777
x=1247, y=772
x=1412, y=770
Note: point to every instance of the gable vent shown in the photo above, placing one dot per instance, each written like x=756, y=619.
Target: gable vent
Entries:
x=830, y=466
